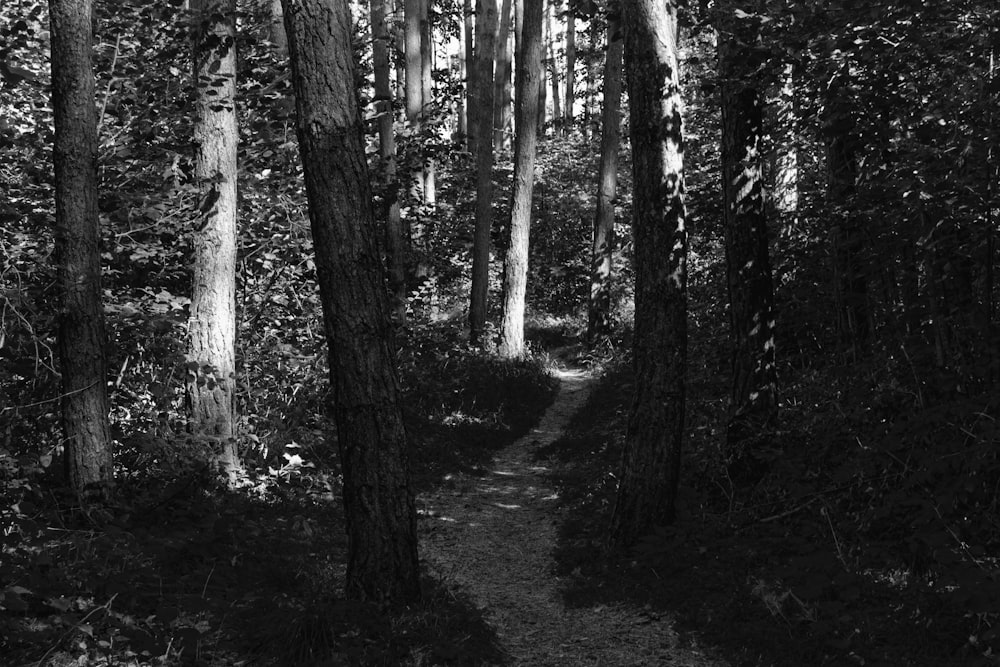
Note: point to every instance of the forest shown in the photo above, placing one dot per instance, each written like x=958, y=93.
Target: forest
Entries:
x=499, y=332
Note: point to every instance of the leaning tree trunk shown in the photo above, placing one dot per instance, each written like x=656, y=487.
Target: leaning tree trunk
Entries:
x=395, y=242
x=598, y=321
x=647, y=487
x=211, y=383
x=515, y=277
x=486, y=32
x=81, y=336
x=378, y=499
x=753, y=405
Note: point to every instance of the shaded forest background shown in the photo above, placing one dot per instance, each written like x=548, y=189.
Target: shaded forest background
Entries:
x=859, y=527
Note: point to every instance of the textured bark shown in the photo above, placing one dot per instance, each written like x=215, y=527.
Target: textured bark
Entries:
x=395, y=242
x=211, y=384
x=378, y=499
x=486, y=31
x=81, y=337
x=851, y=279
x=753, y=401
x=277, y=29
x=647, y=488
x=501, y=84
x=598, y=320
x=515, y=277
x=570, y=66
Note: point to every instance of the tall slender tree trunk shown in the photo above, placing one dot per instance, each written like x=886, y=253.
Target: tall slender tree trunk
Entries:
x=81, y=336
x=598, y=321
x=395, y=242
x=650, y=472
x=850, y=274
x=570, y=66
x=785, y=169
x=753, y=405
x=551, y=22
x=543, y=96
x=427, y=100
x=471, y=86
x=378, y=498
x=277, y=30
x=486, y=33
x=515, y=278
x=211, y=375
x=413, y=10
x=501, y=86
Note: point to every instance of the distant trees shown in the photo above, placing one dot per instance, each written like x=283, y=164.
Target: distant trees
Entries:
x=650, y=471
x=378, y=499
x=211, y=369
x=81, y=336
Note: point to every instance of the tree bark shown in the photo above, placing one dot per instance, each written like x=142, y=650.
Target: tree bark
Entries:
x=211, y=354
x=277, y=29
x=501, y=86
x=526, y=142
x=647, y=488
x=395, y=242
x=570, y=66
x=378, y=498
x=426, y=101
x=412, y=34
x=471, y=85
x=553, y=67
x=81, y=336
x=486, y=27
x=598, y=320
x=753, y=404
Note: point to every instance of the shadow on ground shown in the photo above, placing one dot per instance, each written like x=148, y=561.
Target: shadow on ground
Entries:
x=767, y=588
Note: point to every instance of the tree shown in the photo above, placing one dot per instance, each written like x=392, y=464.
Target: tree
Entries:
x=413, y=12
x=570, y=64
x=471, y=85
x=378, y=498
x=598, y=322
x=429, y=169
x=501, y=85
x=753, y=405
x=395, y=245
x=211, y=385
x=550, y=20
x=515, y=277
x=785, y=165
x=486, y=31
x=647, y=486
x=81, y=337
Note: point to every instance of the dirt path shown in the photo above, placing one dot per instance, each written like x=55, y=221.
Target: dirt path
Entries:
x=493, y=536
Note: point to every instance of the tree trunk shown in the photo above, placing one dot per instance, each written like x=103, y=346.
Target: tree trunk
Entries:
x=515, y=277
x=598, y=322
x=647, y=488
x=211, y=354
x=570, y=66
x=553, y=67
x=395, y=243
x=427, y=100
x=277, y=30
x=543, y=96
x=753, y=405
x=486, y=27
x=501, y=86
x=786, y=154
x=850, y=275
x=81, y=336
x=412, y=34
x=471, y=86
x=378, y=499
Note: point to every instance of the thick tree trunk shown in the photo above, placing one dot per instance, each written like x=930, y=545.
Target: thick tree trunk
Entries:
x=598, y=320
x=515, y=277
x=501, y=86
x=570, y=66
x=471, y=86
x=211, y=354
x=647, y=488
x=81, y=337
x=753, y=405
x=395, y=242
x=486, y=27
x=378, y=499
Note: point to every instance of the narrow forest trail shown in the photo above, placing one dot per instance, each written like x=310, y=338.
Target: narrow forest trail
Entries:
x=493, y=536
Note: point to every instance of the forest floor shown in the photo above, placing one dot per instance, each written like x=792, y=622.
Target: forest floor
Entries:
x=493, y=533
